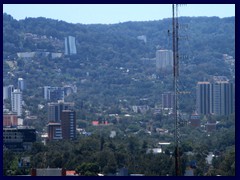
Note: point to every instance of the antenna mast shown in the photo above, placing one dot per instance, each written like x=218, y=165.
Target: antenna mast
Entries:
x=175, y=37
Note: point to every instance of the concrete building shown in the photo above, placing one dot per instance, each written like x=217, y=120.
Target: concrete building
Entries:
x=164, y=59
x=68, y=124
x=195, y=120
x=10, y=119
x=7, y=91
x=168, y=100
x=70, y=45
x=16, y=102
x=203, y=98
x=54, y=131
x=19, y=138
x=53, y=93
x=21, y=84
x=222, y=96
x=55, y=109
x=216, y=96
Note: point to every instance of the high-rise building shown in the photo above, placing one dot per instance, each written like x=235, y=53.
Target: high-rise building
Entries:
x=16, y=102
x=216, y=97
x=221, y=96
x=168, y=100
x=68, y=124
x=164, y=59
x=203, y=98
x=55, y=109
x=70, y=45
x=7, y=91
x=21, y=84
x=53, y=93
x=54, y=131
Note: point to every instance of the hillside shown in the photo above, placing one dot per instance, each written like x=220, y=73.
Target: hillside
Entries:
x=108, y=67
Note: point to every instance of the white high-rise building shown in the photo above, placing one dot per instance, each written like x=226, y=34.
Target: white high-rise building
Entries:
x=164, y=59
x=70, y=45
x=16, y=101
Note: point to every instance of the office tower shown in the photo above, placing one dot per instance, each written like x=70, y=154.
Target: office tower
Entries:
x=53, y=93
x=221, y=96
x=203, y=98
x=216, y=96
x=70, y=45
x=68, y=124
x=16, y=102
x=54, y=131
x=55, y=109
x=168, y=100
x=7, y=91
x=21, y=84
x=164, y=59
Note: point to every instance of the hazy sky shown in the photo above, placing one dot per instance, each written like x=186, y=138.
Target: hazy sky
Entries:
x=114, y=13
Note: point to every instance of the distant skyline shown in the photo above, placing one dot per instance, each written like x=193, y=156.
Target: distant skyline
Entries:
x=114, y=13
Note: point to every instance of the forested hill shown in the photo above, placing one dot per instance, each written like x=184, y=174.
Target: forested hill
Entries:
x=109, y=61
x=205, y=34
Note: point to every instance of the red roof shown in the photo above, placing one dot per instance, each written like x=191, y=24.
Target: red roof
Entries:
x=71, y=172
x=95, y=123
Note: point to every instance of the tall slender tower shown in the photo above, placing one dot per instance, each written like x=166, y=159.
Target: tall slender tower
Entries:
x=203, y=98
x=175, y=37
x=16, y=102
x=68, y=124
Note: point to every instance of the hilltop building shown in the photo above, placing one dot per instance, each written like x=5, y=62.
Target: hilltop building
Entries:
x=70, y=45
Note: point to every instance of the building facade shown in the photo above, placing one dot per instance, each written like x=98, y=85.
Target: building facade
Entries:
x=16, y=102
x=53, y=93
x=21, y=84
x=195, y=120
x=55, y=109
x=222, y=97
x=203, y=98
x=216, y=96
x=70, y=45
x=68, y=124
x=54, y=131
x=164, y=59
x=19, y=138
x=168, y=100
x=10, y=119
x=7, y=92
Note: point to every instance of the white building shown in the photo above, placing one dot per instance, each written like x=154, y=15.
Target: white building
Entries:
x=17, y=102
x=164, y=59
x=70, y=45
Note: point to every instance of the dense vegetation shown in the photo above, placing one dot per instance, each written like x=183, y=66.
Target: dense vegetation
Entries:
x=112, y=77
x=102, y=154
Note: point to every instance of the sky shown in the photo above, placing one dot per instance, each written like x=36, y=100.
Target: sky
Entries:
x=114, y=13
